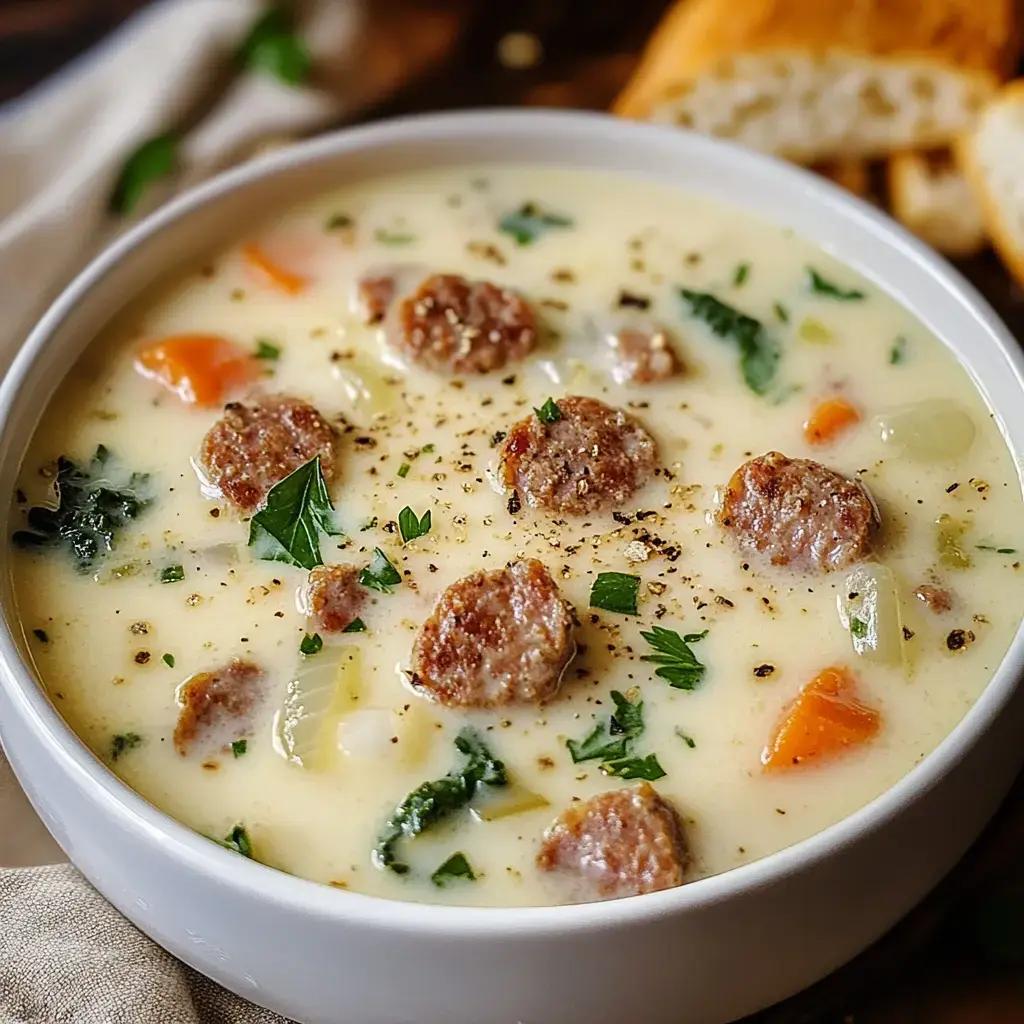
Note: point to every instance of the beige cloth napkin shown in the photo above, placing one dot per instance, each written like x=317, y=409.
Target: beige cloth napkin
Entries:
x=65, y=954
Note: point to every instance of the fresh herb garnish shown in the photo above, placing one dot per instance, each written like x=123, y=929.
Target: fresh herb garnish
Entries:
x=154, y=159
x=1000, y=551
x=312, y=643
x=759, y=354
x=820, y=286
x=238, y=840
x=172, y=574
x=168, y=660
x=239, y=747
x=898, y=352
x=785, y=393
x=610, y=738
x=635, y=768
x=549, y=412
x=411, y=528
x=456, y=866
x=740, y=275
x=529, y=222
x=403, y=470
x=368, y=525
x=90, y=510
x=688, y=740
x=433, y=801
x=273, y=47
x=386, y=237
x=615, y=592
x=380, y=574
x=679, y=667
x=267, y=349
x=781, y=312
x=858, y=628
x=355, y=626
x=428, y=449
x=122, y=743
x=297, y=511
x=41, y=635
x=339, y=221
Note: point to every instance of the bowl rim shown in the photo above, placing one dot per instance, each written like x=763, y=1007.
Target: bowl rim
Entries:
x=259, y=882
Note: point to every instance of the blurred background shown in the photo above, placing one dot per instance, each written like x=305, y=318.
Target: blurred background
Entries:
x=960, y=957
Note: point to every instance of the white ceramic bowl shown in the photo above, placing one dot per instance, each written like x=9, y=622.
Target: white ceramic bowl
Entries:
x=710, y=951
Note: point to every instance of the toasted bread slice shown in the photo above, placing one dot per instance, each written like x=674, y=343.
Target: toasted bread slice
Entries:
x=820, y=80
x=853, y=175
x=928, y=193
x=993, y=158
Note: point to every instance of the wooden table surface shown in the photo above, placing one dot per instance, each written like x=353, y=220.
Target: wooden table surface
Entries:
x=957, y=958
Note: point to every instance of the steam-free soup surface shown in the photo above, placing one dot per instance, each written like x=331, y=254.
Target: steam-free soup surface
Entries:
x=114, y=637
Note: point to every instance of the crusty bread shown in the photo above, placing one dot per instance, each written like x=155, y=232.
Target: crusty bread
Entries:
x=820, y=80
x=853, y=175
x=993, y=158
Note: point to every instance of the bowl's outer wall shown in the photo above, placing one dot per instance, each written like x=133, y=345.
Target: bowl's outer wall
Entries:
x=709, y=952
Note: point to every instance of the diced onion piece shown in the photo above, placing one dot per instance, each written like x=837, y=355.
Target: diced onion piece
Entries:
x=928, y=431
x=365, y=386
x=813, y=330
x=869, y=607
x=509, y=800
x=326, y=685
x=949, y=540
x=367, y=733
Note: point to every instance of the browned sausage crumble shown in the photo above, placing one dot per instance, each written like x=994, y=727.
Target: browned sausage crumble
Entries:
x=334, y=597
x=374, y=295
x=254, y=446
x=591, y=459
x=936, y=598
x=623, y=843
x=453, y=325
x=217, y=707
x=495, y=638
x=643, y=357
x=799, y=513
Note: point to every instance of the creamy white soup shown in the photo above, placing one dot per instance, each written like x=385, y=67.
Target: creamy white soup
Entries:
x=671, y=546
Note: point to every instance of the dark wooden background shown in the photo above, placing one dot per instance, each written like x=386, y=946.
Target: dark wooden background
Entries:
x=959, y=957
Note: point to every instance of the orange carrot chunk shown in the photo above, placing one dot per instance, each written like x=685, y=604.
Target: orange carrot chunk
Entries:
x=281, y=277
x=824, y=721
x=201, y=369
x=829, y=419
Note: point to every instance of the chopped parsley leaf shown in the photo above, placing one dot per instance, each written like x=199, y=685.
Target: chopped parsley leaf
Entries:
x=679, y=666
x=403, y=470
x=610, y=738
x=740, y=275
x=355, y=626
x=821, y=286
x=1000, y=551
x=635, y=768
x=898, y=352
x=380, y=574
x=411, y=527
x=267, y=349
x=312, y=643
x=386, y=237
x=272, y=46
x=238, y=840
x=428, y=449
x=122, y=743
x=239, y=747
x=858, y=628
x=168, y=660
x=153, y=159
x=615, y=592
x=368, y=525
x=456, y=866
x=296, y=512
x=172, y=574
x=549, y=412
x=781, y=312
x=529, y=222
x=759, y=354
x=688, y=740
x=338, y=221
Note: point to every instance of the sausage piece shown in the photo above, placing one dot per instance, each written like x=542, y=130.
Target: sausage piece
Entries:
x=642, y=356
x=495, y=638
x=254, y=446
x=623, y=843
x=936, y=598
x=217, y=707
x=374, y=295
x=799, y=513
x=591, y=459
x=453, y=325
x=334, y=597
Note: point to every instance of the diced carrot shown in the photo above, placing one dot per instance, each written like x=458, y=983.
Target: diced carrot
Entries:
x=829, y=419
x=281, y=277
x=201, y=369
x=825, y=720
